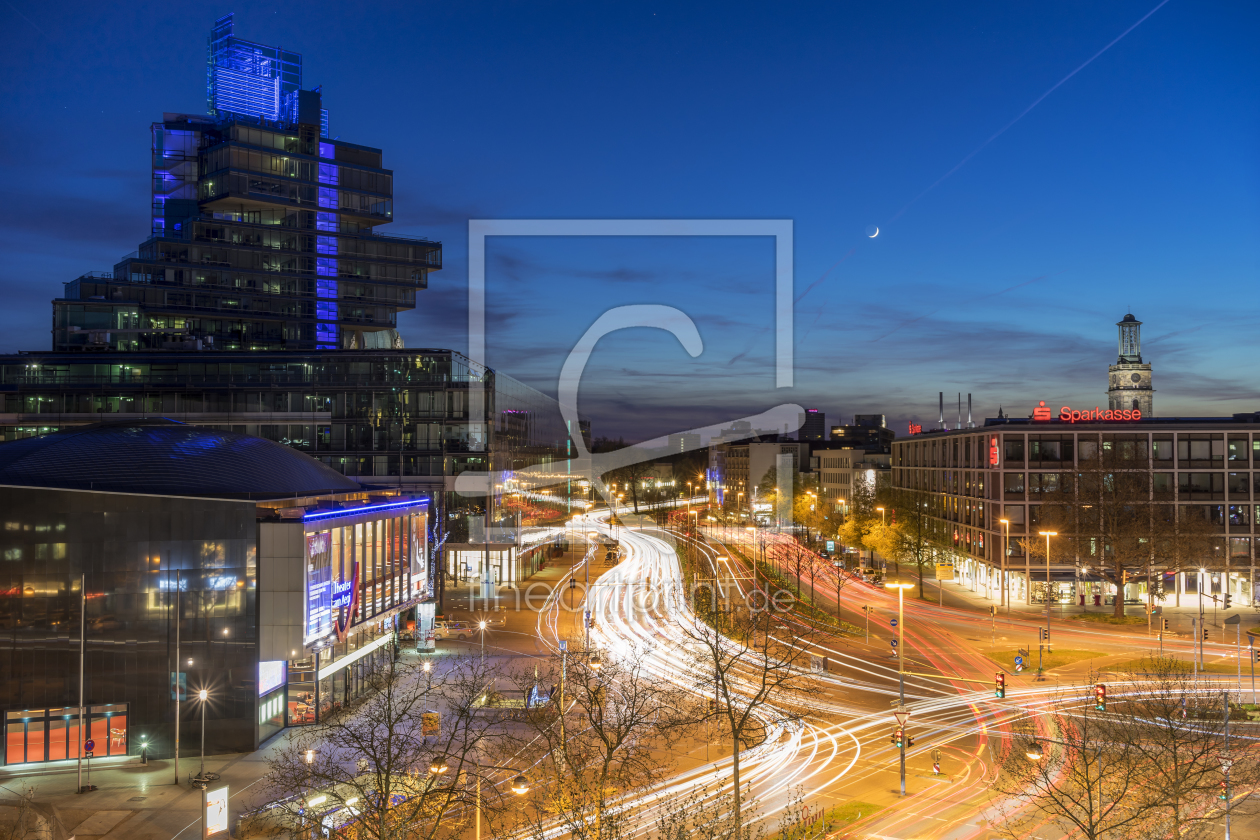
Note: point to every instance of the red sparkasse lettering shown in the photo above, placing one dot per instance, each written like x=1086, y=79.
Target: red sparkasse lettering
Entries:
x=1065, y=413
x=1137, y=414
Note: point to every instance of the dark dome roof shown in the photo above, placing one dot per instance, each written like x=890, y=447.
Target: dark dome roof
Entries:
x=1128, y=317
x=167, y=458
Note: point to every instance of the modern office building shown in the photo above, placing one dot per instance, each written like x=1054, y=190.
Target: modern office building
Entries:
x=1201, y=470
x=844, y=471
x=737, y=470
x=265, y=232
x=202, y=559
x=684, y=442
x=813, y=425
x=411, y=417
x=265, y=302
x=867, y=431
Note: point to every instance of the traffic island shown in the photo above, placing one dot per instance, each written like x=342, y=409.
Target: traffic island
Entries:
x=1005, y=658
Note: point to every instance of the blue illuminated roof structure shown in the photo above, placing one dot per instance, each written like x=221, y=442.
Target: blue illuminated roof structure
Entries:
x=245, y=79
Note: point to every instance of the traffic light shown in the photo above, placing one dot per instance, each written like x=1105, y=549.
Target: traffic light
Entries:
x=1043, y=634
x=1224, y=794
x=898, y=738
x=999, y=686
x=1228, y=598
x=1100, y=698
x=909, y=741
x=1166, y=625
x=1205, y=634
x=1255, y=652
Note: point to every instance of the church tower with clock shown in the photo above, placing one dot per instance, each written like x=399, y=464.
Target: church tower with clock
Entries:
x=1129, y=381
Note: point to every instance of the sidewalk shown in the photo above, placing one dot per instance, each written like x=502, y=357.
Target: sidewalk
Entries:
x=960, y=596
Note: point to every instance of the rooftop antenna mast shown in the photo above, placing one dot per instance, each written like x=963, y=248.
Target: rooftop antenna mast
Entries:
x=970, y=424
x=958, y=422
x=940, y=424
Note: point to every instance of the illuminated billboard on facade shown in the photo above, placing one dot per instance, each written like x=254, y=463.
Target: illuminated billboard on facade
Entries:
x=362, y=562
x=271, y=675
x=319, y=586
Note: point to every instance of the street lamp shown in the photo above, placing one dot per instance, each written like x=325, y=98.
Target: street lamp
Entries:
x=481, y=625
x=1006, y=540
x=883, y=517
x=203, y=695
x=901, y=669
x=1033, y=751
x=519, y=786
x=1048, y=535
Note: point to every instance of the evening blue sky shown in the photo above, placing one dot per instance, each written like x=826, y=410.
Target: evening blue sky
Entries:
x=1133, y=185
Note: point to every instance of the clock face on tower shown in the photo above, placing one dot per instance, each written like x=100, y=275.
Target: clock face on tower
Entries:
x=1136, y=377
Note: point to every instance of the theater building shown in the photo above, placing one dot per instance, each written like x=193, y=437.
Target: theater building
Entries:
x=168, y=558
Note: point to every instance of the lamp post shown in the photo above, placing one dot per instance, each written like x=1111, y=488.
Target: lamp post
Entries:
x=520, y=787
x=901, y=671
x=1202, y=617
x=1006, y=540
x=1048, y=535
x=203, y=696
x=481, y=625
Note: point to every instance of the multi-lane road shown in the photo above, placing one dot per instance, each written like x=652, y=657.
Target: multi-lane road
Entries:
x=840, y=754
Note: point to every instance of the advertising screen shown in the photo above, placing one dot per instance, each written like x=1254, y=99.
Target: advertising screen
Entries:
x=216, y=803
x=318, y=586
x=271, y=675
x=419, y=556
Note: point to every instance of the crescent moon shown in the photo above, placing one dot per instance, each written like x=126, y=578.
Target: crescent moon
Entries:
x=872, y=231
x=875, y=234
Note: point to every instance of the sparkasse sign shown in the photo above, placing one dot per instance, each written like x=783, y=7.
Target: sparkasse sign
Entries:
x=1094, y=415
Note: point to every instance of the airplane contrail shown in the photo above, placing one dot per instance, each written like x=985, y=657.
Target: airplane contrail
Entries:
x=1024, y=112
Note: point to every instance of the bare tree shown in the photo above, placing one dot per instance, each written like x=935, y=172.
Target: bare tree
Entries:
x=602, y=748
x=1177, y=728
x=402, y=763
x=1146, y=765
x=1069, y=768
x=754, y=664
x=19, y=818
x=704, y=814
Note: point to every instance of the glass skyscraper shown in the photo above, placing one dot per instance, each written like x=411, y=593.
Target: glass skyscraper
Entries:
x=265, y=301
x=264, y=233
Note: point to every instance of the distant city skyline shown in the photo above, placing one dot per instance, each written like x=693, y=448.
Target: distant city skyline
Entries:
x=1003, y=259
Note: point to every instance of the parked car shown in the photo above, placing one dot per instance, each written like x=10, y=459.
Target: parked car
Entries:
x=459, y=630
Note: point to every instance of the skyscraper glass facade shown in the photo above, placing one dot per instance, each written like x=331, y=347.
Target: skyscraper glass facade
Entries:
x=266, y=301
x=263, y=231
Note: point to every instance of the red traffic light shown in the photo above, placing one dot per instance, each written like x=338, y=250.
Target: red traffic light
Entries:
x=1100, y=697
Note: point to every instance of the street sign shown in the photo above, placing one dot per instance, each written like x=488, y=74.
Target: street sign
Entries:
x=564, y=644
x=893, y=642
x=893, y=622
x=89, y=745
x=1019, y=660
